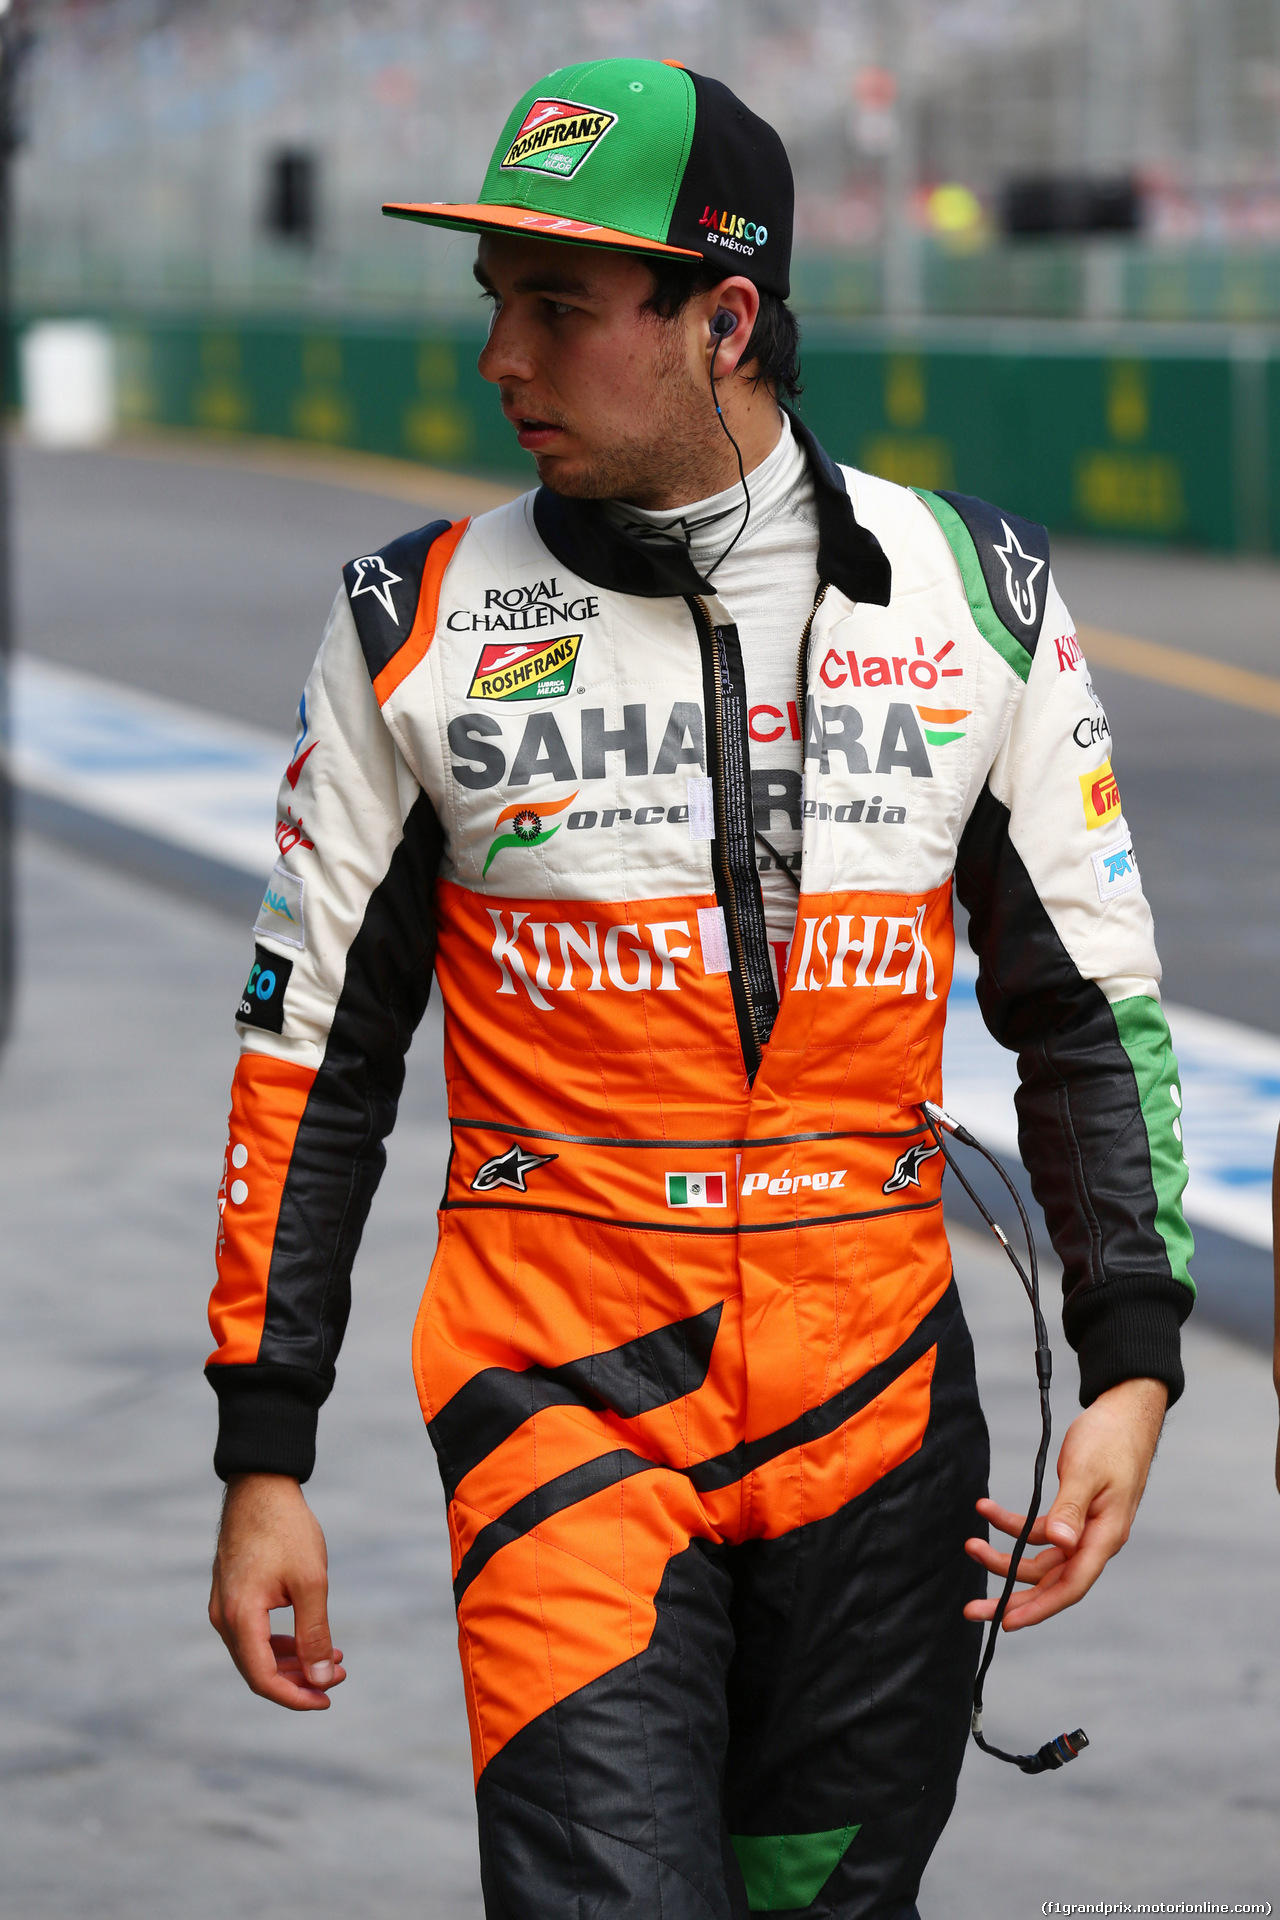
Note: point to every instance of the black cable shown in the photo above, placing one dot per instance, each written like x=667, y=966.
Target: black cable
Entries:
x=1054, y=1753
x=768, y=846
x=742, y=476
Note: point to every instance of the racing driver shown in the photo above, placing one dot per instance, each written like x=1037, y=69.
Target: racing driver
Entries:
x=667, y=771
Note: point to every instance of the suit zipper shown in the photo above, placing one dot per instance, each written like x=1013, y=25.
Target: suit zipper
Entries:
x=802, y=671
x=721, y=853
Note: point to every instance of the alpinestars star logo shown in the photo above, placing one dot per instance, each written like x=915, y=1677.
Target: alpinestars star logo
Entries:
x=1020, y=571
x=509, y=1169
x=906, y=1172
x=374, y=576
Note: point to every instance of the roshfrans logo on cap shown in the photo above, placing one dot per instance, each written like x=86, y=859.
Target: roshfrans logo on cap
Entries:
x=556, y=136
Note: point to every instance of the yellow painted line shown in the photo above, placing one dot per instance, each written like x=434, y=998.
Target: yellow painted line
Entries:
x=453, y=493
x=459, y=493
x=1171, y=667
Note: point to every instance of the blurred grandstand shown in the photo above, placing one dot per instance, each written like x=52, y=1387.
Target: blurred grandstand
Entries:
x=232, y=153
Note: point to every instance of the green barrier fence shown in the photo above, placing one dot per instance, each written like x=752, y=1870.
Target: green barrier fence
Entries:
x=1157, y=435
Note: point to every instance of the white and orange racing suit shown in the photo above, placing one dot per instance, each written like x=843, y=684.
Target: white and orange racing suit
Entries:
x=690, y=1351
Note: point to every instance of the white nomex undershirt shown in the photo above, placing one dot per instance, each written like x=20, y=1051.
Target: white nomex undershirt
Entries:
x=767, y=584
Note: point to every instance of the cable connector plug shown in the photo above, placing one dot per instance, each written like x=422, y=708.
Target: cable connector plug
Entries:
x=1056, y=1753
x=948, y=1122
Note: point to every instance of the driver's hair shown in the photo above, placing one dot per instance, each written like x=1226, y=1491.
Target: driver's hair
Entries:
x=774, y=345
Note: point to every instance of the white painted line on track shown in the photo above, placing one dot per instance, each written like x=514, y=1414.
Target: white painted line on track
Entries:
x=1230, y=1080
x=1231, y=1110
x=208, y=785
x=171, y=771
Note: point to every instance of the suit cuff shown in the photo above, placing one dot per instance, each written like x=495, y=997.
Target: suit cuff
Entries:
x=1128, y=1329
x=267, y=1419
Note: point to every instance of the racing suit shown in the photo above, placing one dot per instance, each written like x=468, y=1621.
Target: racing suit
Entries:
x=690, y=1351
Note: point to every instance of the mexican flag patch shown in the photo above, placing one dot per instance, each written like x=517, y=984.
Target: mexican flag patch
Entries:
x=696, y=1190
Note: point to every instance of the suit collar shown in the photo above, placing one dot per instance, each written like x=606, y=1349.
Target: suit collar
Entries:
x=585, y=540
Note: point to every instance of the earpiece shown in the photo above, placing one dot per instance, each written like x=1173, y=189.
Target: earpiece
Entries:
x=723, y=323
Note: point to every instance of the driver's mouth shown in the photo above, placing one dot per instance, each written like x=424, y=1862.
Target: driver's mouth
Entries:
x=532, y=432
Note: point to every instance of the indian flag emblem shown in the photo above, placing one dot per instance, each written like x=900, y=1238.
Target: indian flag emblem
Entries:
x=531, y=823
x=941, y=724
x=695, y=1190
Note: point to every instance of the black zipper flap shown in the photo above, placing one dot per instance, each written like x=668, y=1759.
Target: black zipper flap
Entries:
x=733, y=860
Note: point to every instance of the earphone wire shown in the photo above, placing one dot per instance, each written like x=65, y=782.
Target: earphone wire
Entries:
x=742, y=476
x=769, y=847
x=1054, y=1753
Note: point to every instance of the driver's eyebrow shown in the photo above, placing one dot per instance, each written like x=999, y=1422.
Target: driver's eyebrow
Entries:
x=548, y=283
x=553, y=283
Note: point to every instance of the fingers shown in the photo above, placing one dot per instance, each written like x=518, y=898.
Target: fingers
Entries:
x=311, y=1630
x=1102, y=1471
x=271, y=1554
x=290, y=1668
x=1032, y=1568
x=1034, y=1571
x=255, y=1655
x=1062, y=1588
x=1012, y=1523
x=1065, y=1521
x=274, y=1666
x=271, y=1667
x=1051, y=1581
x=284, y=1647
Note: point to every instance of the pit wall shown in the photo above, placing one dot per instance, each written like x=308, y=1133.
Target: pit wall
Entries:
x=1153, y=434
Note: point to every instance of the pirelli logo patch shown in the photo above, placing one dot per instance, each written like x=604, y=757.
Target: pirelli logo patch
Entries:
x=1101, y=796
x=538, y=670
x=556, y=136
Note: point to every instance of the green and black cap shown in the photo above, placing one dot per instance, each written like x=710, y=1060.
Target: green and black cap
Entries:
x=640, y=156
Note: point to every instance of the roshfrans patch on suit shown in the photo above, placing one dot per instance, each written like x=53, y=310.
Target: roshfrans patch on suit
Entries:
x=536, y=670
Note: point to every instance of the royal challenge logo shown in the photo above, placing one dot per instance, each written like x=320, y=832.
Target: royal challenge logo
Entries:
x=556, y=136
x=536, y=670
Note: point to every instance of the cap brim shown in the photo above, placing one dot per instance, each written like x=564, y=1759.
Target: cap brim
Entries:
x=537, y=226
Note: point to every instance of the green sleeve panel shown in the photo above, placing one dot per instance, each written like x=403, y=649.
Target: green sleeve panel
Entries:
x=783, y=1871
x=1144, y=1035
x=986, y=619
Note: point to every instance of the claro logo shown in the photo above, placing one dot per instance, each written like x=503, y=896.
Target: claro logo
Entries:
x=537, y=959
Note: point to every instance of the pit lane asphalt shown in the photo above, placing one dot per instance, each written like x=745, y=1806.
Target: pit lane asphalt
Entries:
x=139, y=1780
x=207, y=574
